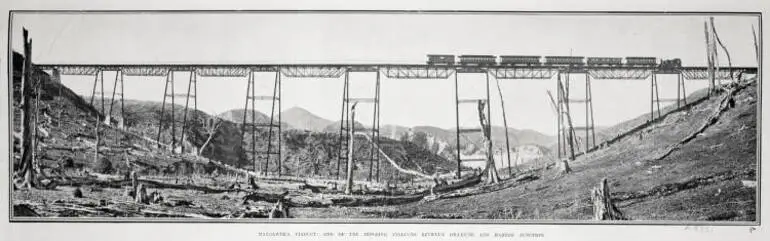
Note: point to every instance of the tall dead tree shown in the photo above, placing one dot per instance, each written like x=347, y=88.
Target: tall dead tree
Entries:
x=756, y=40
x=722, y=45
x=26, y=172
x=505, y=125
x=490, y=170
x=351, y=131
x=710, y=57
x=571, y=137
x=210, y=127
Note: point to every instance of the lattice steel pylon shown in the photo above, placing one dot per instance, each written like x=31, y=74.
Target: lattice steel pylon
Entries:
x=98, y=89
x=171, y=93
x=568, y=141
x=346, y=122
x=119, y=93
x=655, y=100
x=98, y=81
x=252, y=98
x=192, y=92
x=459, y=131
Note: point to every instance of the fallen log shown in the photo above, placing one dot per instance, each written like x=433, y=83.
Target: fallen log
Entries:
x=481, y=189
x=110, y=181
x=264, y=196
x=156, y=213
x=297, y=180
x=393, y=163
x=726, y=103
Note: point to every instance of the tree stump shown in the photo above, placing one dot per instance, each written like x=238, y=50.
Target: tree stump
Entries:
x=279, y=210
x=77, y=193
x=155, y=197
x=140, y=194
x=134, y=181
x=604, y=209
x=565, y=166
x=253, y=183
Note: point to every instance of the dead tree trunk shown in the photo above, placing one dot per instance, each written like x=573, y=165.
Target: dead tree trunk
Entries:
x=505, y=125
x=140, y=194
x=351, y=131
x=571, y=132
x=26, y=172
x=210, y=127
x=604, y=209
x=490, y=169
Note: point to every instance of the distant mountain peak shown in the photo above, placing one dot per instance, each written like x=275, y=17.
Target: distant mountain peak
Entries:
x=300, y=118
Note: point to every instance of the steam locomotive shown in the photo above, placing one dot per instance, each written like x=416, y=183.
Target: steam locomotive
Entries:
x=530, y=60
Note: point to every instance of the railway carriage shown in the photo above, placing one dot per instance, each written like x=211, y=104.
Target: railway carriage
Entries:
x=518, y=60
x=604, y=61
x=441, y=59
x=478, y=60
x=641, y=61
x=564, y=60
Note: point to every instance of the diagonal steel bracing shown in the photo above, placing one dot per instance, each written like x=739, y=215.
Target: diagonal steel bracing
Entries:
x=313, y=72
x=223, y=71
x=619, y=73
x=523, y=73
x=721, y=74
x=417, y=72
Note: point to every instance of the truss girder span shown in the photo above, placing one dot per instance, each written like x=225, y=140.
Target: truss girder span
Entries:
x=222, y=71
x=313, y=72
x=722, y=74
x=523, y=73
x=145, y=71
x=418, y=72
x=77, y=70
x=619, y=73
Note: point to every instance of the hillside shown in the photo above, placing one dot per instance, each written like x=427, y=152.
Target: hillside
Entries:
x=526, y=145
x=611, y=134
x=516, y=136
x=302, y=119
x=304, y=154
x=668, y=170
x=236, y=116
x=334, y=127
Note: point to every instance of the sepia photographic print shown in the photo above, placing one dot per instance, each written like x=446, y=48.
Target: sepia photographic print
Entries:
x=384, y=116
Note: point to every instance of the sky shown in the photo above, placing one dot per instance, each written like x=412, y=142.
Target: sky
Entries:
x=278, y=38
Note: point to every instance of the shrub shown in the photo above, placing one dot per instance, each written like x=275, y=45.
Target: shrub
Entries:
x=68, y=162
x=103, y=166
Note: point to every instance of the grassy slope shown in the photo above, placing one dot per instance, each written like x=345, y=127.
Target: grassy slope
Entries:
x=722, y=156
x=610, y=133
x=730, y=145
